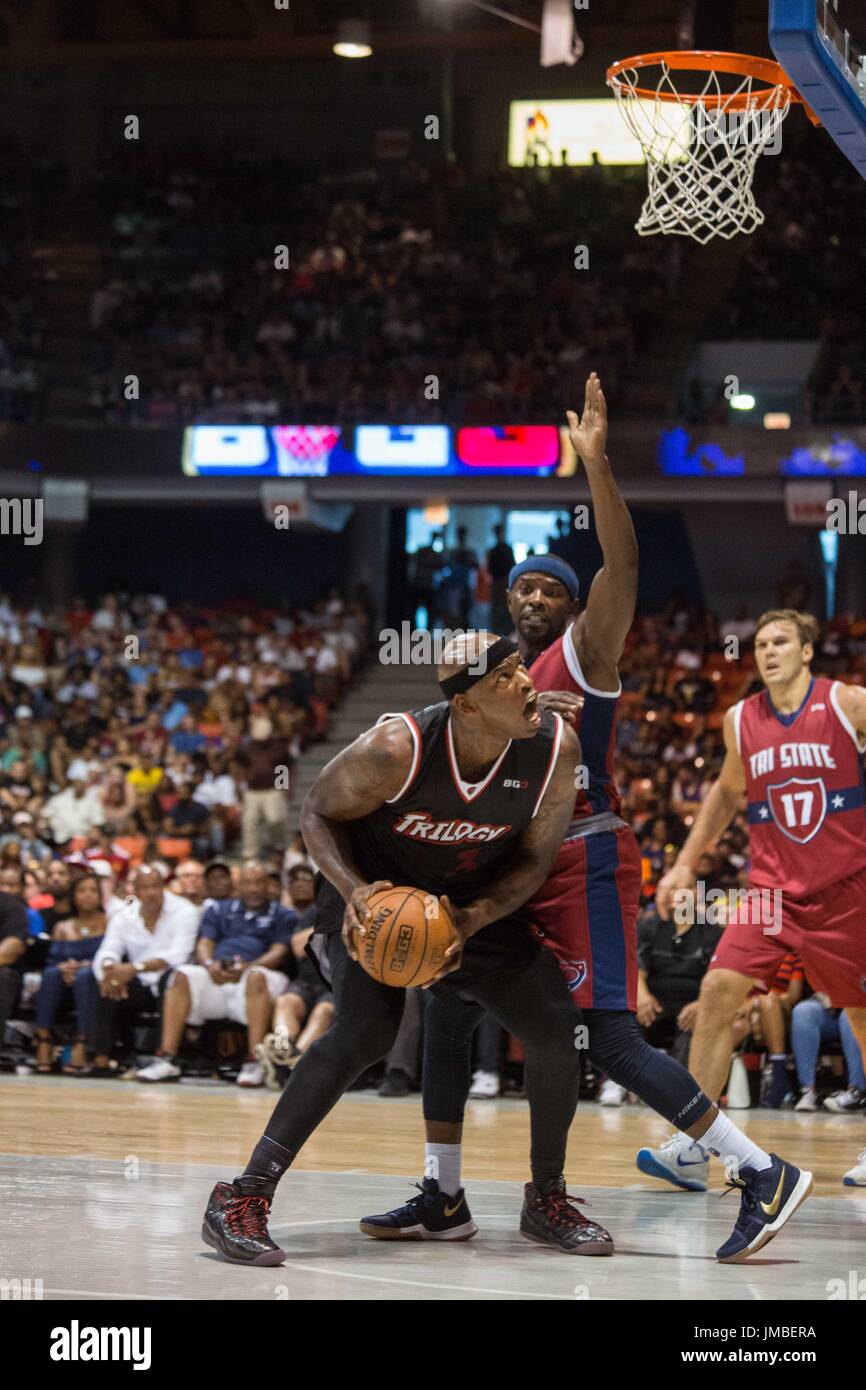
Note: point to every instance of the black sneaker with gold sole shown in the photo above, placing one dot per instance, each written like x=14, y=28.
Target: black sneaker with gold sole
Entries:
x=432, y=1215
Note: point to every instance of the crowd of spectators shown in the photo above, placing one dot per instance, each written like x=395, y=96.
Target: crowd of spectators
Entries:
x=120, y=776
x=138, y=735
x=393, y=277
x=30, y=195
x=501, y=286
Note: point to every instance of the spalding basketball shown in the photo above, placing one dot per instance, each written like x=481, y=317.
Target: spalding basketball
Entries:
x=407, y=935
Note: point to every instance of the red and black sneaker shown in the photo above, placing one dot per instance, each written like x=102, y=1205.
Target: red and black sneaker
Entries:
x=550, y=1216
x=236, y=1223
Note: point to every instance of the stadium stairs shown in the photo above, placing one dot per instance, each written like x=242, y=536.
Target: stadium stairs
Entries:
x=379, y=689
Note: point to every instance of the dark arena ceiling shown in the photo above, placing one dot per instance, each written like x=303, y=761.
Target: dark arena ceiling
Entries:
x=56, y=31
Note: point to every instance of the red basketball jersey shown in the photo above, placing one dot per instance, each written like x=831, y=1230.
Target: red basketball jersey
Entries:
x=804, y=781
x=557, y=668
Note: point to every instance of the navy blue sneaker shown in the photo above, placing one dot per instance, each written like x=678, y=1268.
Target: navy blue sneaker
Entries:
x=768, y=1200
x=431, y=1216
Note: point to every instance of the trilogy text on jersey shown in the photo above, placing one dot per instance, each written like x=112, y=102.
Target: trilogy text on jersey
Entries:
x=419, y=825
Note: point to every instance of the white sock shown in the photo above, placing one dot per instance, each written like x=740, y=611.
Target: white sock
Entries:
x=442, y=1162
x=726, y=1141
x=682, y=1140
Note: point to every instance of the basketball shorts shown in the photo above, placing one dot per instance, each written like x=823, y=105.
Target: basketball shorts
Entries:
x=586, y=912
x=310, y=987
x=208, y=1000
x=827, y=930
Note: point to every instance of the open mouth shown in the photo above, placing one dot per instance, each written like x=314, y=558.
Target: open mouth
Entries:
x=531, y=712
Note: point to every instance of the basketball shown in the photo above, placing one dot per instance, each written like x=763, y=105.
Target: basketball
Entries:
x=408, y=933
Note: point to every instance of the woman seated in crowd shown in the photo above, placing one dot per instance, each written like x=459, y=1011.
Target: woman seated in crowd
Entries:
x=814, y=1025
x=67, y=977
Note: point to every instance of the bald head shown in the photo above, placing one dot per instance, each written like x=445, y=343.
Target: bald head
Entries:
x=492, y=692
x=147, y=874
x=149, y=888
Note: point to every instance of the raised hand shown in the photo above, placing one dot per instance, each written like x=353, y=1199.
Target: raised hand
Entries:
x=589, y=434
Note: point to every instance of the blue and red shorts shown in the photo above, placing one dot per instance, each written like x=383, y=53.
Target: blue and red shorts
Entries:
x=586, y=913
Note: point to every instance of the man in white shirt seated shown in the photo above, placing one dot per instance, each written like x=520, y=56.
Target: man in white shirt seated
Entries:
x=76, y=810
x=149, y=936
x=242, y=952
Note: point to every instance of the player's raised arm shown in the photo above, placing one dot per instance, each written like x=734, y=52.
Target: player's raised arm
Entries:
x=715, y=815
x=359, y=780
x=601, y=632
x=533, y=857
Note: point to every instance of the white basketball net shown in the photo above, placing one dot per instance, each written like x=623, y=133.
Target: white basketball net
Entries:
x=700, y=154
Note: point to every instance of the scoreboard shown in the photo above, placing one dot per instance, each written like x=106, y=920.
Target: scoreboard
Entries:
x=321, y=451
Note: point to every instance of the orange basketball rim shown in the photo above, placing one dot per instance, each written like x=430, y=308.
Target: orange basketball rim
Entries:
x=741, y=65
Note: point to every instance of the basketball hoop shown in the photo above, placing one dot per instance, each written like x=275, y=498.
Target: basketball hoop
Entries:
x=701, y=147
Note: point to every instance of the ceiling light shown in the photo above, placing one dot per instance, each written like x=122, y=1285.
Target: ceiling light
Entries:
x=353, y=39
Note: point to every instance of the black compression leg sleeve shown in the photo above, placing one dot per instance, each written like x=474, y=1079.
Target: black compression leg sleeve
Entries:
x=367, y=1021
x=534, y=1004
x=449, y=1024
x=617, y=1048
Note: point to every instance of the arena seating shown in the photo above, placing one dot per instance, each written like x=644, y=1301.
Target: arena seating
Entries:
x=74, y=709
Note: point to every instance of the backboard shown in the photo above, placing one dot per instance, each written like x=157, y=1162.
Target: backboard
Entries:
x=827, y=65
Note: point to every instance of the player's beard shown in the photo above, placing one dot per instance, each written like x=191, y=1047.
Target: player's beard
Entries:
x=539, y=636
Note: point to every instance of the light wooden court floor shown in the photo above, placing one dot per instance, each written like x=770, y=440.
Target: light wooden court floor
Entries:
x=103, y=1184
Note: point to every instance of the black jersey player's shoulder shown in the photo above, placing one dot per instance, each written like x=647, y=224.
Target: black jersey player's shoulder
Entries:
x=427, y=719
x=414, y=735
x=383, y=752
x=392, y=736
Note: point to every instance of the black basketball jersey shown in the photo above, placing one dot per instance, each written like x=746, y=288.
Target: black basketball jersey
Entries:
x=444, y=835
